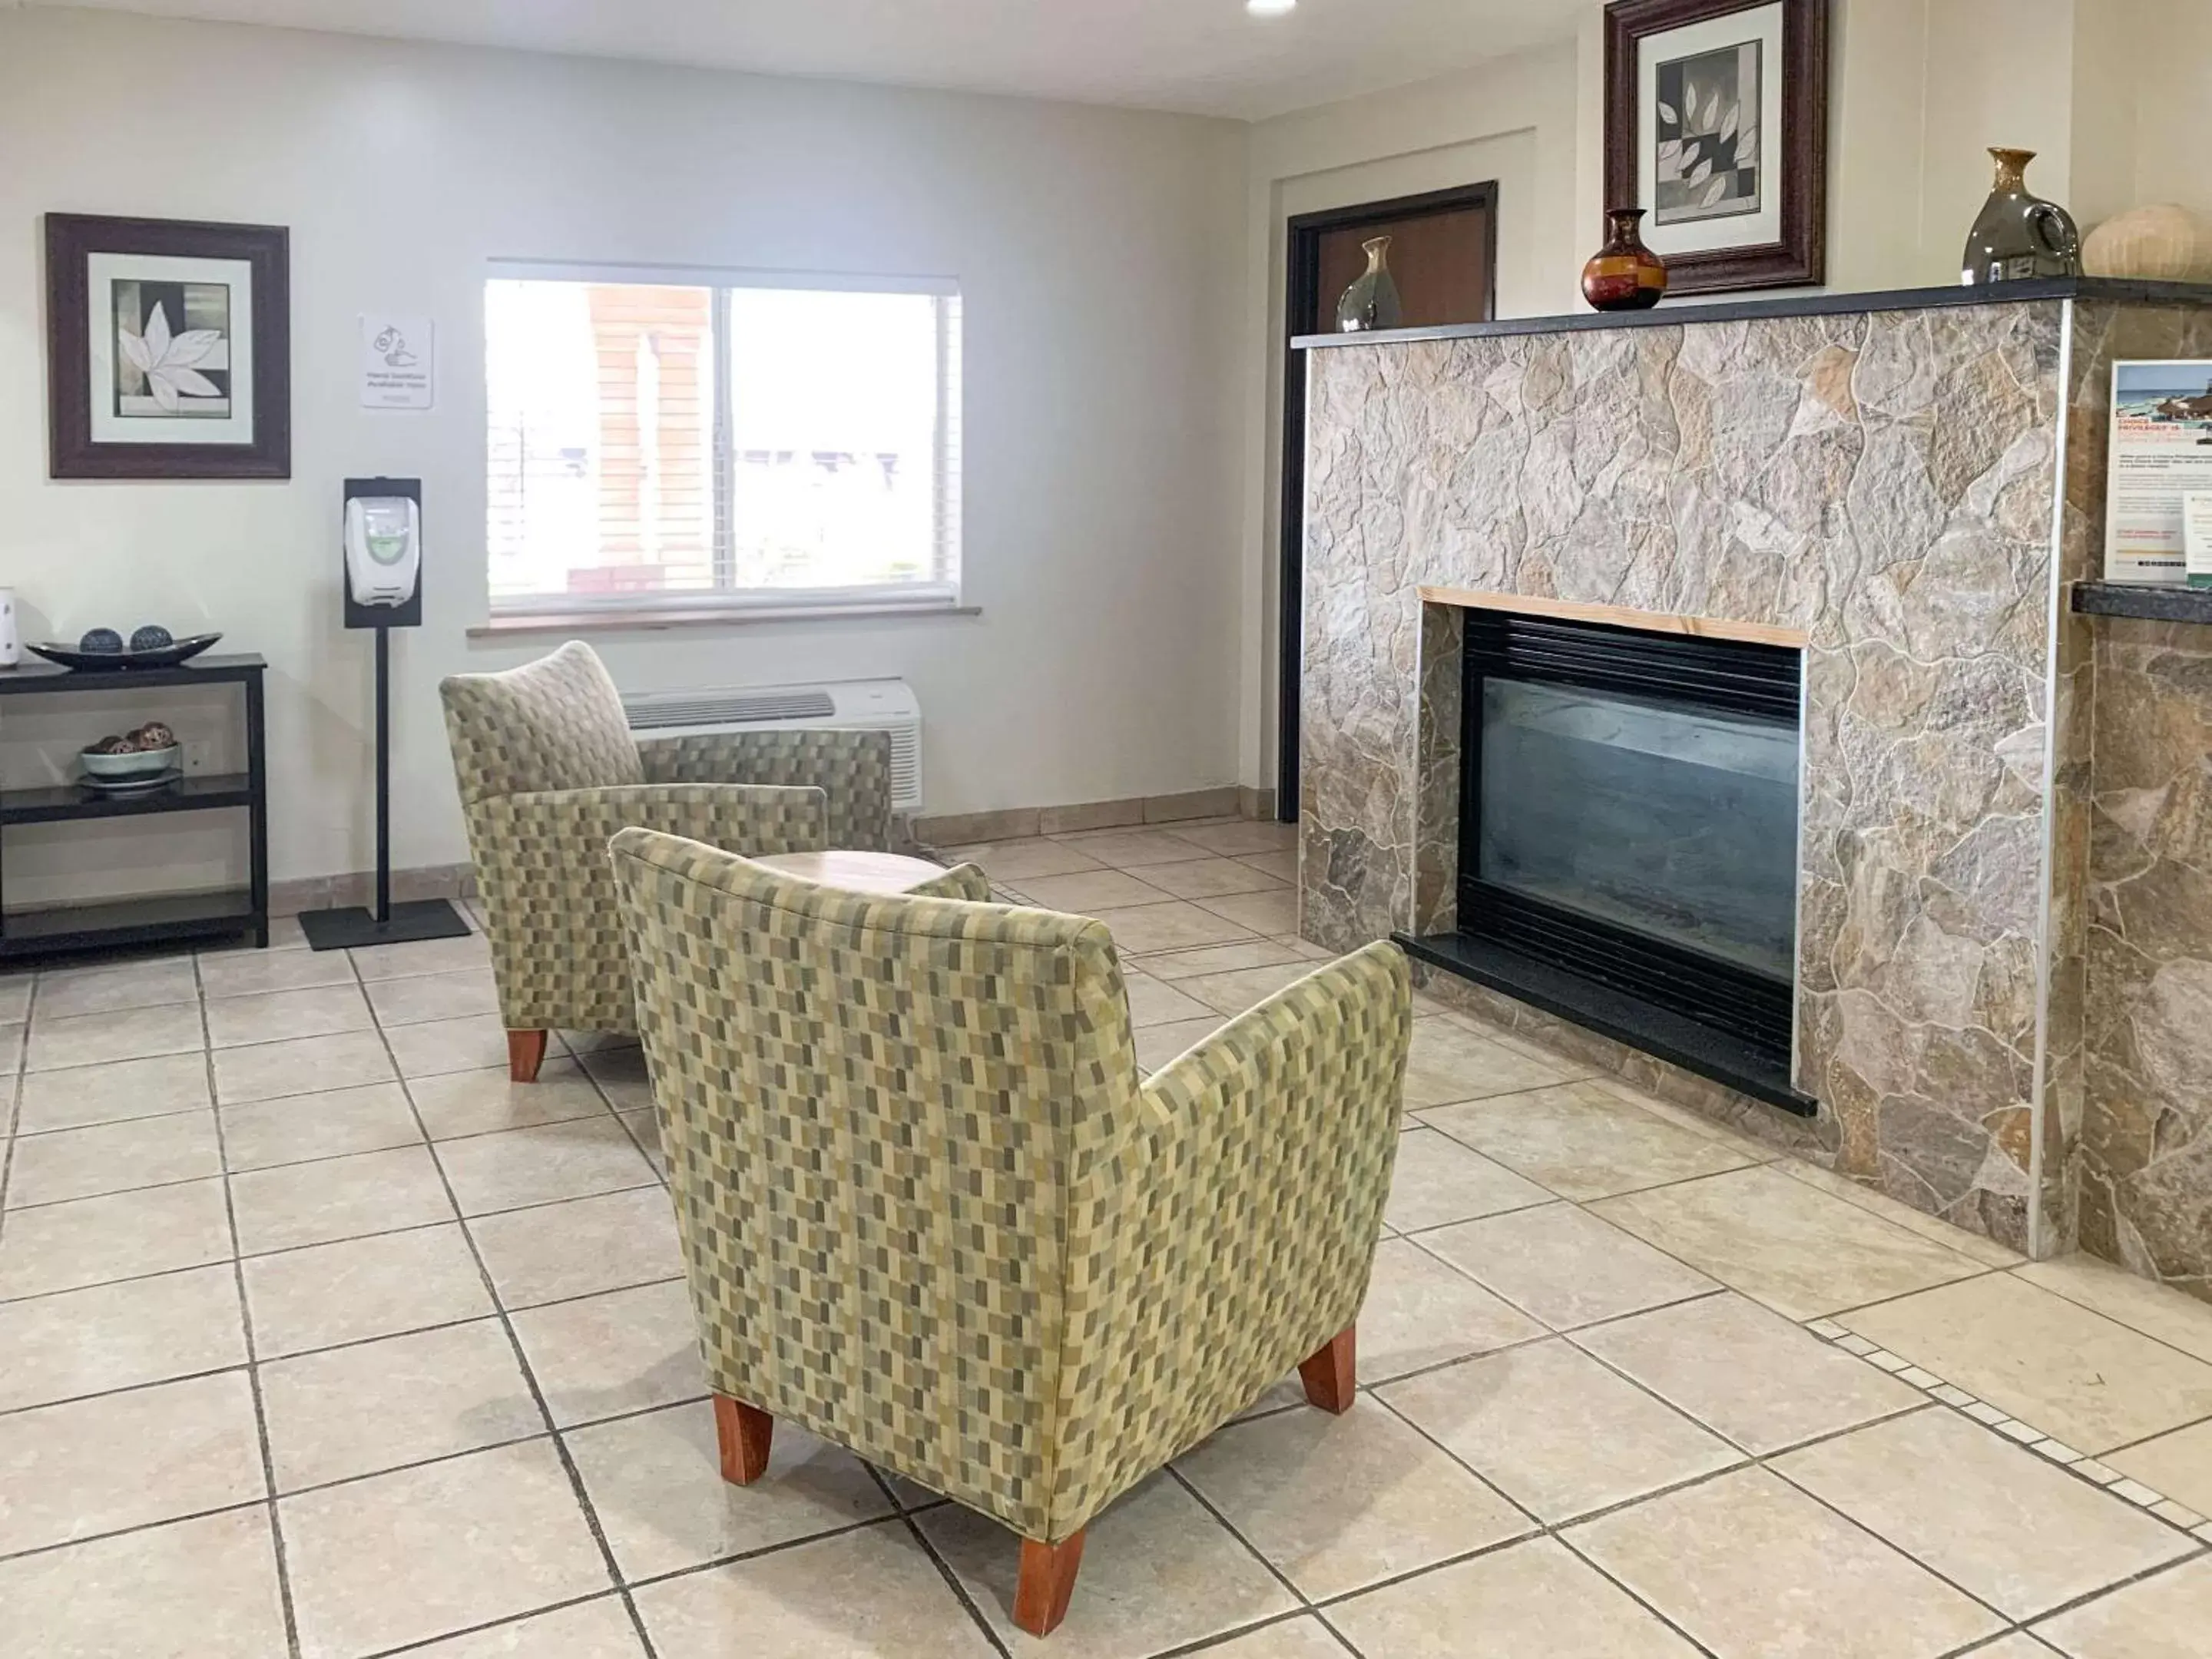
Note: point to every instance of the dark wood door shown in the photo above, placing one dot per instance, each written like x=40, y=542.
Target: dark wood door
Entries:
x=1440, y=261
x=1443, y=256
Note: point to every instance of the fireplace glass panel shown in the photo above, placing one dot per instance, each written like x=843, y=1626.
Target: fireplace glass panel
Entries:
x=1674, y=821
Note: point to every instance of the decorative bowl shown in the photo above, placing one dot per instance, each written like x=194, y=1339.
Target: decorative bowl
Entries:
x=142, y=763
x=112, y=662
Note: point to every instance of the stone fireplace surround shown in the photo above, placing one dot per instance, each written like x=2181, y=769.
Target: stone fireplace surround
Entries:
x=1909, y=482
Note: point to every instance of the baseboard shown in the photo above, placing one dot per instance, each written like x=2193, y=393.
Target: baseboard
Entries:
x=458, y=881
x=1255, y=803
x=1019, y=823
x=445, y=881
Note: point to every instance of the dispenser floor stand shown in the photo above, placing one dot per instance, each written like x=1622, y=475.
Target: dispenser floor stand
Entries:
x=385, y=922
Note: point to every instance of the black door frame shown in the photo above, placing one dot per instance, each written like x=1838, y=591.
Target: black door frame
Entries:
x=1302, y=315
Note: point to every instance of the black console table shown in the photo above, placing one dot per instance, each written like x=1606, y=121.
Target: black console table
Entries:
x=153, y=919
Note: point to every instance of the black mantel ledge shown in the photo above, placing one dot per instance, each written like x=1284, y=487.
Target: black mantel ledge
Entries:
x=2117, y=289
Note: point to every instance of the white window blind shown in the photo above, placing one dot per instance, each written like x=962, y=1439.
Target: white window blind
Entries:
x=744, y=443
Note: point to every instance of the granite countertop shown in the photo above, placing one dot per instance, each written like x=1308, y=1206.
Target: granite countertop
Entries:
x=2160, y=603
x=2122, y=290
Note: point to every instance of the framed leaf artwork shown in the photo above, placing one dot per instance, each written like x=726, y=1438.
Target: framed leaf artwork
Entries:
x=168, y=349
x=1717, y=122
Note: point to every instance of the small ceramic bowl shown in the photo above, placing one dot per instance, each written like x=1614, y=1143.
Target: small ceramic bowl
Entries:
x=146, y=763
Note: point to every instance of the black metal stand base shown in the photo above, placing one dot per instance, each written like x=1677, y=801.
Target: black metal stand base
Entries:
x=354, y=926
x=404, y=924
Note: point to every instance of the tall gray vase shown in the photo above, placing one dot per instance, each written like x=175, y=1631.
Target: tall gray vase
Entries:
x=1371, y=301
x=2020, y=236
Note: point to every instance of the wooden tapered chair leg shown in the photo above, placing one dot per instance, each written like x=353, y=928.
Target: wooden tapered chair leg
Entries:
x=1047, y=1579
x=743, y=1433
x=1332, y=1375
x=525, y=1053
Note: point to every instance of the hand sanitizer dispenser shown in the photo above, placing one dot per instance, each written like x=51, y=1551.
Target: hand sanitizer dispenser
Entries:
x=382, y=559
x=383, y=549
x=383, y=552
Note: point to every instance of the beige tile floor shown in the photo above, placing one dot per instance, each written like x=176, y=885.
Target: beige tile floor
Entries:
x=318, y=1337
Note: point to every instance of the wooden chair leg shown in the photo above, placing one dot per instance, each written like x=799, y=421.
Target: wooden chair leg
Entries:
x=744, y=1432
x=1047, y=1579
x=1332, y=1376
x=525, y=1053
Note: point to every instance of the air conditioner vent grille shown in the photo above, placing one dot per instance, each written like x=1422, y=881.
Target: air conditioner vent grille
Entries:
x=728, y=708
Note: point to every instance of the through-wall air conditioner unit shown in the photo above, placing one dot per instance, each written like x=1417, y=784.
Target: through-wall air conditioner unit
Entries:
x=842, y=705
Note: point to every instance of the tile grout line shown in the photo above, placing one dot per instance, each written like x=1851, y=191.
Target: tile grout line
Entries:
x=1755, y=1459
x=2031, y=1440
x=15, y=1101
x=316, y=1244
x=336, y=1157
x=2014, y=1272
x=492, y=1625
x=590, y=1516
x=1557, y=1530
x=500, y=1311
x=944, y=1569
x=277, y=1551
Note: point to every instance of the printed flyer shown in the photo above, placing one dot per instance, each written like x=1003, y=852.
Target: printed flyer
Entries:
x=2161, y=454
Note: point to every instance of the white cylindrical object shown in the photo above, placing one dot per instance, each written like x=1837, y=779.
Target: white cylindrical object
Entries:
x=11, y=643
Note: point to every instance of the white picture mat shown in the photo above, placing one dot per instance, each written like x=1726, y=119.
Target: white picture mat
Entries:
x=1743, y=230
x=102, y=272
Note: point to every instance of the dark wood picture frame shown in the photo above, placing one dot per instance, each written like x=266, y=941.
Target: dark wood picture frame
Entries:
x=1800, y=259
x=1304, y=312
x=71, y=240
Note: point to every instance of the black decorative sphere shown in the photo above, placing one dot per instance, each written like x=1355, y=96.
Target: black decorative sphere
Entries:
x=152, y=637
x=100, y=639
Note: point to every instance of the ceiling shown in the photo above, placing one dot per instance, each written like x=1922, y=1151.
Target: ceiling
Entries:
x=1205, y=56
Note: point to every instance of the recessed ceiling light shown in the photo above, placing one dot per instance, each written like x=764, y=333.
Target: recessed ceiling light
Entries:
x=1270, y=8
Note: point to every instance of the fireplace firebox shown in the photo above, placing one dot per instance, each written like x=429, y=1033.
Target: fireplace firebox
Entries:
x=1628, y=837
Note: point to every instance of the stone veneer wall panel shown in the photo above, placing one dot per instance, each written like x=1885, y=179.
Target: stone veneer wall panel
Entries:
x=1886, y=482
x=2145, y=1153
x=2130, y=1134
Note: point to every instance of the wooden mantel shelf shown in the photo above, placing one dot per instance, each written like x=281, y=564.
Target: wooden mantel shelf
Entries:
x=1617, y=616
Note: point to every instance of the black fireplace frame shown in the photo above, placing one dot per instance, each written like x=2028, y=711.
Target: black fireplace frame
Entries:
x=1710, y=1016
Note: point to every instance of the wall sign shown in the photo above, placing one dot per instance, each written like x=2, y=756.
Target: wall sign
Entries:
x=398, y=357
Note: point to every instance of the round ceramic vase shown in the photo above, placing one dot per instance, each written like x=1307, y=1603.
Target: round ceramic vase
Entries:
x=1624, y=275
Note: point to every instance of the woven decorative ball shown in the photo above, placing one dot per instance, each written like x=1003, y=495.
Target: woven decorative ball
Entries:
x=100, y=639
x=152, y=637
x=2164, y=243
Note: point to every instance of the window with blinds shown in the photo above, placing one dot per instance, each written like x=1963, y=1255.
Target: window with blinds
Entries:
x=745, y=444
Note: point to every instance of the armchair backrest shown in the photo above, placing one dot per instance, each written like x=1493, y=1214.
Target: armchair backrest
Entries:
x=893, y=1128
x=557, y=723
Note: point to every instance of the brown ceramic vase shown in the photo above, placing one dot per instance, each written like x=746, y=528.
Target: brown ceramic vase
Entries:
x=1624, y=275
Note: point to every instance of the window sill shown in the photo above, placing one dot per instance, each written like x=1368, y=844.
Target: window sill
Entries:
x=643, y=621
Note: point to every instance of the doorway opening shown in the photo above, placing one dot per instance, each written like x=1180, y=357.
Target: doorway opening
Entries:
x=1444, y=255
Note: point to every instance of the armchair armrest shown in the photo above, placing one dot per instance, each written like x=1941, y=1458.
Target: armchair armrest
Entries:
x=853, y=768
x=1254, y=1187
x=743, y=818
x=965, y=882
x=559, y=952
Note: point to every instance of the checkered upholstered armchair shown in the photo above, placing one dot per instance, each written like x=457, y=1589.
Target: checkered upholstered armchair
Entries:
x=548, y=771
x=930, y=1213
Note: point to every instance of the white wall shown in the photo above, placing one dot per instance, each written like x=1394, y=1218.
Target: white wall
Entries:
x=2171, y=90
x=2109, y=92
x=1099, y=255
x=1513, y=121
